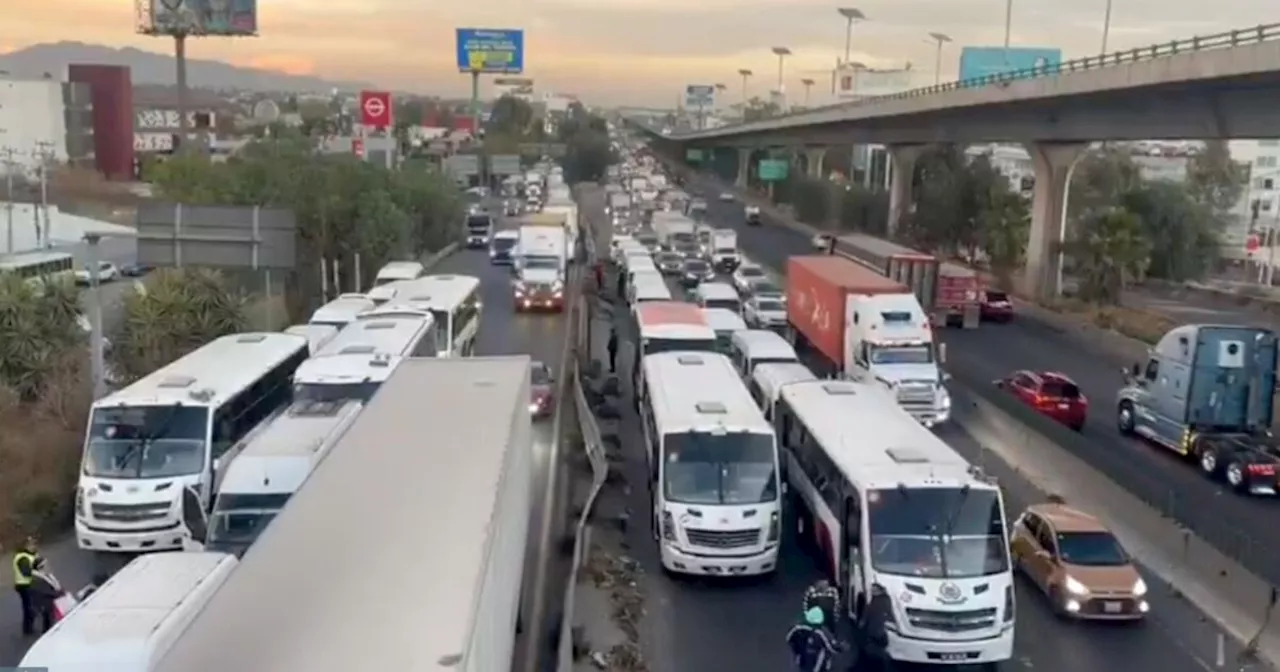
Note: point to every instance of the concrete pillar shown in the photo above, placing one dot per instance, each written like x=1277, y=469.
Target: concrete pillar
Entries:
x=744, y=167
x=813, y=157
x=1054, y=162
x=902, y=160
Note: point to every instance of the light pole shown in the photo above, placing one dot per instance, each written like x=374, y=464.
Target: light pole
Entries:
x=745, y=74
x=852, y=15
x=1008, y=29
x=782, y=53
x=808, y=86
x=940, y=39
x=1106, y=27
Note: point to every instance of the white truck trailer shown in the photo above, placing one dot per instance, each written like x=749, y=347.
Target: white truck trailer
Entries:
x=405, y=548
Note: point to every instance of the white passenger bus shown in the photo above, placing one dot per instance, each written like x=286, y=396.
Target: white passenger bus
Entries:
x=767, y=381
x=361, y=357
x=914, y=536
x=40, y=266
x=713, y=466
x=317, y=335
x=342, y=311
x=272, y=464
x=454, y=300
x=169, y=430
x=750, y=348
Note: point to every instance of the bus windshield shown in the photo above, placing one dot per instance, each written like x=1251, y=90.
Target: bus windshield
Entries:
x=541, y=262
x=147, y=441
x=901, y=354
x=937, y=533
x=361, y=391
x=238, y=520
x=653, y=346
x=706, y=468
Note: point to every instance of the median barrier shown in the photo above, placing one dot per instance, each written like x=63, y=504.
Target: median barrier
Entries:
x=436, y=257
x=1146, y=515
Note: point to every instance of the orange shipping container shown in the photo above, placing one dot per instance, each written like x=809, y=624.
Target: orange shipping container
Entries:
x=817, y=287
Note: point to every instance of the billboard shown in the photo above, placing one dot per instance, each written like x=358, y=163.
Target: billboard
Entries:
x=978, y=62
x=868, y=83
x=700, y=96
x=215, y=18
x=493, y=50
x=375, y=109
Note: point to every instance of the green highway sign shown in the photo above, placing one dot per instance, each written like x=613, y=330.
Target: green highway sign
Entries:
x=773, y=170
x=693, y=155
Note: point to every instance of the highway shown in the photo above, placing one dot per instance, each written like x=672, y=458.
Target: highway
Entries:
x=502, y=332
x=694, y=625
x=1238, y=526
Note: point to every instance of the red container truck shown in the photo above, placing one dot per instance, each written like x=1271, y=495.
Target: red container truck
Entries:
x=817, y=290
x=949, y=292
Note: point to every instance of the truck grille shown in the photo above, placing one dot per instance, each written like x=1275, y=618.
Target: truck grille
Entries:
x=541, y=288
x=952, y=621
x=131, y=513
x=916, y=395
x=723, y=538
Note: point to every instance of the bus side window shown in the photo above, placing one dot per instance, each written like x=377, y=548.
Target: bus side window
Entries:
x=853, y=520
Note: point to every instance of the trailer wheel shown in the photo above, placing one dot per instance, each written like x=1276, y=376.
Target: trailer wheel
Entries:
x=1209, y=461
x=1235, y=475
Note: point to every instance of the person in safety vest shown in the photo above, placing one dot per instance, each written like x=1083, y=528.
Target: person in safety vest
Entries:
x=24, y=569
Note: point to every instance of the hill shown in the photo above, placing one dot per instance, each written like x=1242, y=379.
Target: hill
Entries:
x=156, y=68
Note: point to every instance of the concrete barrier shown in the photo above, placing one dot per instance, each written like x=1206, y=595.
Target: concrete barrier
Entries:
x=436, y=257
x=1239, y=601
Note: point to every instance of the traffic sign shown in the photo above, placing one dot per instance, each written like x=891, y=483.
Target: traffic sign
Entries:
x=699, y=96
x=375, y=109
x=1252, y=244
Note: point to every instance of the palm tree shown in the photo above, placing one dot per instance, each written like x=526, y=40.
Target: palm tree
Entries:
x=1109, y=251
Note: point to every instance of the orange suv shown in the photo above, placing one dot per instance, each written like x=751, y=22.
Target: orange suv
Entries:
x=1076, y=561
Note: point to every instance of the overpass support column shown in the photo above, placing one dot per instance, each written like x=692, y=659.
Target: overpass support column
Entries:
x=813, y=157
x=744, y=167
x=902, y=159
x=1054, y=162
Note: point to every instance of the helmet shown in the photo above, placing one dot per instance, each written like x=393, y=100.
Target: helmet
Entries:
x=814, y=616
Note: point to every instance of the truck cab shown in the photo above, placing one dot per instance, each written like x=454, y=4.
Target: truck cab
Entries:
x=889, y=338
x=1205, y=392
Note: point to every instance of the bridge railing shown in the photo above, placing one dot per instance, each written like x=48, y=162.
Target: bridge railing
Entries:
x=1224, y=40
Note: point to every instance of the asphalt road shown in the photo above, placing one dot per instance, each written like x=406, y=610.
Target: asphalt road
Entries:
x=694, y=625
x=1238, y=526
x=502, y=332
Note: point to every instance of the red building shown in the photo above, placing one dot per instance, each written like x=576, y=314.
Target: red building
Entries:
x=112, y=95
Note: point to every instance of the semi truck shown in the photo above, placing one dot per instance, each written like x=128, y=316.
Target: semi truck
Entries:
x=541, y=262
x=1205, y=392
x=951, y=292
x=847, y=320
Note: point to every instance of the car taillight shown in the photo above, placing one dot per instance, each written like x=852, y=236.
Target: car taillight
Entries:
x=1261, y=469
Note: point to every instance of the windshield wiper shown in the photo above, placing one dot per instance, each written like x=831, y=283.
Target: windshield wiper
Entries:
x=951, y=525
x=144, y=441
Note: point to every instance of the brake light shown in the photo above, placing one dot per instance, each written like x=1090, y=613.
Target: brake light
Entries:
x=1261, y=469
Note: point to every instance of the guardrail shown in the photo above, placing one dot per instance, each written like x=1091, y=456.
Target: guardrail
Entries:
x=1224, y=40
x=592, y=441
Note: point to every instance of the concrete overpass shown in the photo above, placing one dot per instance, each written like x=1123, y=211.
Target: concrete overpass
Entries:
x=1217, y=86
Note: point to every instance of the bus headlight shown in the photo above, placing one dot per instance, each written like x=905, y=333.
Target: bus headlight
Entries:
x=82, y=508
x=774, y=530
x=668, y=527
x=1008, y=604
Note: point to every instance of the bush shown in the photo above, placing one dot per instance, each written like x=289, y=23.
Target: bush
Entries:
x=171, y=313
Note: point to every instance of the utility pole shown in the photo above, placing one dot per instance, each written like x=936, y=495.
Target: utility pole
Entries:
x=45, y=152
x=8, y=194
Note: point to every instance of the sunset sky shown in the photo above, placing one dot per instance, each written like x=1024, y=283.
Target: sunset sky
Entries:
x=628, y=51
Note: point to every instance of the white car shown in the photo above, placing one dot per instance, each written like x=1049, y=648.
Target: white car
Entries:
x=107, y=272
x=746, y=276
x=822, y=241
x=764, y=312
x=726, y=197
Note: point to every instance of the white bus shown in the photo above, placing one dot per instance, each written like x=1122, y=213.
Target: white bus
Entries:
x=718, y=295
x=669, y=326
x=394, y=271
x=342, y=311
x=317, y=335
x=361, y=357
x=169, y=430
x=912, y=534
x=767, y=381
x=40, y=266
x=713, y=467
x=275, y=460
x=750, y=348
x=454, y=300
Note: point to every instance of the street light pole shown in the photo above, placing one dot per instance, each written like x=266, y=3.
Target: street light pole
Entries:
x=745, y=74
x=1008, y=28
x=1106, y=27
x=782, y=54
x=851, y=15
x=940, y=39
x=808, y=86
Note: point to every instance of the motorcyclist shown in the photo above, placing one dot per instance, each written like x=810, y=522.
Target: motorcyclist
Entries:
x=812, y=647
x=826, y=597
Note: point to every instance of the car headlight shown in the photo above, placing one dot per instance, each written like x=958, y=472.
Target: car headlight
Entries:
x=1139, y=588
x=944, y=398
x=1075, y=587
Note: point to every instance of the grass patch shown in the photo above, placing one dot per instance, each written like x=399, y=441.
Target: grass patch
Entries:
x=1143, y=325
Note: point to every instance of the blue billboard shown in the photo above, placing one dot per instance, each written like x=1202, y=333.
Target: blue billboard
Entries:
x=491, y=50
x=976, y=62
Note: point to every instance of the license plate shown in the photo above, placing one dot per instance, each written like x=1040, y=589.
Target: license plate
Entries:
x=1112, y=607
x=950, y=657
x=1064, y=406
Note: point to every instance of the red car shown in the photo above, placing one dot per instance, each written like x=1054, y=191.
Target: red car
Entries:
x=996, y=307
x=1052, y=394
x=542, y=393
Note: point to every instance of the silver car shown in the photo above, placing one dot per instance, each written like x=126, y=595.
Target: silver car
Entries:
x=764, y=312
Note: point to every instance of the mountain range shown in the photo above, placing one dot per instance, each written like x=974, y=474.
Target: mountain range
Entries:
x=151, y=68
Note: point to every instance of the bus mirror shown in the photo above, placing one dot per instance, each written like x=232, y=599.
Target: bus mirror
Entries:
x=193, y=515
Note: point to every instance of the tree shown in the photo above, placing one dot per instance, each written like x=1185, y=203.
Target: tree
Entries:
x=38, y=327
x=1004, y=226
x=1182, y=231
x=1214, y=179
x=171, y=313
x=588, y=151
x=757, y=109
x=512, y=117
x=1110, y=250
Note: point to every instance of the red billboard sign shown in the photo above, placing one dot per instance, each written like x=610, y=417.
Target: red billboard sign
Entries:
x=375, y=109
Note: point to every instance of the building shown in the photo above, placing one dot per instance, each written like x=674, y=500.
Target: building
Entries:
x=111, y=91
x=45, y=121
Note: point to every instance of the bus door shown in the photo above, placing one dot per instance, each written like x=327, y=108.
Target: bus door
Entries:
x=851, y=556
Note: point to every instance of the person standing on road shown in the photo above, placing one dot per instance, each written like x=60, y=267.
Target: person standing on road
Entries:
x=826, y=597
x=43, y=592
x=613, y=349
x=24, y=568
x=812, y=647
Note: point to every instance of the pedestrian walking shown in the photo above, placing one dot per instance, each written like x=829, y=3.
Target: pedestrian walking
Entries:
x=24, y=568
x=613, y=349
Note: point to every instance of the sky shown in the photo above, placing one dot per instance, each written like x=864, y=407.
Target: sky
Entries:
x=633, y=52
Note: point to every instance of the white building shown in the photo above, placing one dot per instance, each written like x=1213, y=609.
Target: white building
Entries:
x=32, y=122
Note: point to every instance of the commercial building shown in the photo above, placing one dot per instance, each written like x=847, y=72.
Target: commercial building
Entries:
x=110, y=88
x=44, y=121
